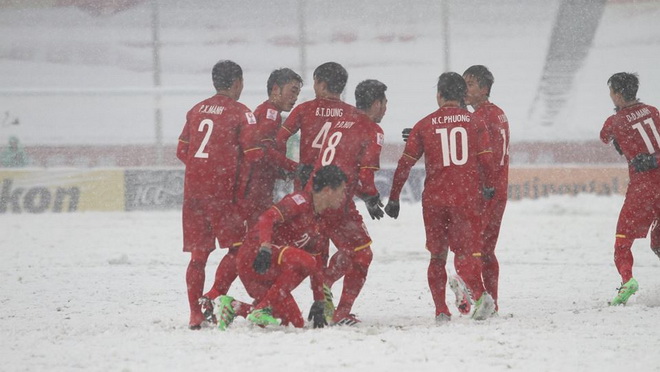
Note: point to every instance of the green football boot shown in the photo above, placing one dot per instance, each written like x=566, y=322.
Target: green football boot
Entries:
x=263, y=317
x=628, y=289
x=224, y=311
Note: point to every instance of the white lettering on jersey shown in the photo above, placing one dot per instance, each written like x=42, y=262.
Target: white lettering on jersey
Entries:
x=450, y=119
x=304, y=239
x=638, y=114
x=380, y=138
x=344, y=124
x=329, y=112
x=271, y=114
x=250, y=118
x=299, y=199
x=211, y=109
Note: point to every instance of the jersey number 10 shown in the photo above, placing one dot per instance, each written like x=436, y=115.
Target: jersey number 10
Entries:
x=451, y=141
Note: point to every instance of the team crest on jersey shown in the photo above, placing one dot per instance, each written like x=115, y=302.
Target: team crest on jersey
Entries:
x=299, y=199
x=380, y=139
x=250, y=118
x=271, y=114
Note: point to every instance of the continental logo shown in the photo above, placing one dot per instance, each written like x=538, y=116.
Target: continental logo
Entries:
x=39, y=191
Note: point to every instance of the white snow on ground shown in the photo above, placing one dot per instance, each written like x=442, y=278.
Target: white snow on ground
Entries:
x=105, y=291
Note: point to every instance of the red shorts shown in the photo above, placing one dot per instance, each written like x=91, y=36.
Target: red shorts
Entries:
x=205, y=220
x=346, y=228
x=639, y=210
x=455, y=228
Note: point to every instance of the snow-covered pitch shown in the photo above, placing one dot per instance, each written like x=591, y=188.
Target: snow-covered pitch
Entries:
x=105, y=291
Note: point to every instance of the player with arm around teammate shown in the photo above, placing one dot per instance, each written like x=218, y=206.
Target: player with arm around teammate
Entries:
x=479, y=82
x=635, y=131
x=454, y=149
x=209, y=148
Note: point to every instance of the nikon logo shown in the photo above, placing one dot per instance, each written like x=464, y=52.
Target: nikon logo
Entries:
x=37, y=199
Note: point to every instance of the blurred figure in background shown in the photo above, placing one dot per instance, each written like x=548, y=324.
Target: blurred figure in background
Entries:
x=634, y=130
x=14, y=156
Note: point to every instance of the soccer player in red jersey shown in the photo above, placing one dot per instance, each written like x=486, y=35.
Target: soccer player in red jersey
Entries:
x=261, y=164
x=314, y=118
x=354, y=144
x=275, y=257
x=635, y=131
x=455, y=148
x=479, y=81
x=209, y=148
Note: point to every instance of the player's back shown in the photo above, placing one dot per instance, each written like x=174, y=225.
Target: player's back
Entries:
x=314, y=119
x=636, y=129
x=352, y=144
x=213, y=155
x=450, y=141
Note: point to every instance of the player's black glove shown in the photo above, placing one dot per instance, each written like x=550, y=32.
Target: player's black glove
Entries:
x=644, y=162
x=261, y=263
x=374, y=206
x=316, y=315
x=405, y=133
x=303, y=172
x=488, y=192
x=392, y=208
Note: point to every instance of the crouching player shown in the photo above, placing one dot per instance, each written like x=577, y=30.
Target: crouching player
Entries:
x=277, y=256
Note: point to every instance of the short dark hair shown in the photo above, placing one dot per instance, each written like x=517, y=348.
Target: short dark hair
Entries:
x=368, y=92
x=281, y=77
x=626, y=84
x=452, y=87
x=328, y=175
x=482, y=74
x=333, y=74
x=224, y=74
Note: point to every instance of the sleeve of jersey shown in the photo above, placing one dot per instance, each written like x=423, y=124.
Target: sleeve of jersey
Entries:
x=412, y=152
x=184, y=143
x=279, y=159
x=267, y=221
x=288, y=129
x=606, y=131
x=369, y=164
x=485, y=158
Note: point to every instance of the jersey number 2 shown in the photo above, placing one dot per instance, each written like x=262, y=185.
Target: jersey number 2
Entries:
x=202, y=147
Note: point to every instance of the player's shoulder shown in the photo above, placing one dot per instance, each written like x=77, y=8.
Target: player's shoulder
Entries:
x=297, y=199
x=267, y=111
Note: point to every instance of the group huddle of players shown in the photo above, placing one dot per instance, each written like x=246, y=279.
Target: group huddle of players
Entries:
x=233, y=157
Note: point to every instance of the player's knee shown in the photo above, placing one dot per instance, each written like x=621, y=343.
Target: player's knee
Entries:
x=199, y=258
x=362, y=258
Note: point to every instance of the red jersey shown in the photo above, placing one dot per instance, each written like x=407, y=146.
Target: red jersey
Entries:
x=497, y=126
x=354, y=144
x=636, y=129
x=455, y=148
x=314, y=119
x=261, y=161
x=292, y=221
x=209, y=147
